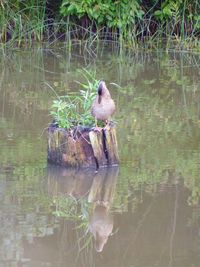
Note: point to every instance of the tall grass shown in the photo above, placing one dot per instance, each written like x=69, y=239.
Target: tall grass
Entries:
x=130, y=24
x=22, y=21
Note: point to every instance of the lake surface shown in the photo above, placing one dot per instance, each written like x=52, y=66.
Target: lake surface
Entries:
x=51, y=216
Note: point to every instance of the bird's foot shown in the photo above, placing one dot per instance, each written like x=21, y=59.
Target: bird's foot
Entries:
x=107, y=127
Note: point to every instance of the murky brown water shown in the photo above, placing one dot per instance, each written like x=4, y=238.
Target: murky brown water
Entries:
x=52, y=216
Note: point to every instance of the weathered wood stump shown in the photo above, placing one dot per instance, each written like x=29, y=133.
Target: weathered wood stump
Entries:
x=82, y=147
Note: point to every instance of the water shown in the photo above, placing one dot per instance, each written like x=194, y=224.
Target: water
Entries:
x=54, y=217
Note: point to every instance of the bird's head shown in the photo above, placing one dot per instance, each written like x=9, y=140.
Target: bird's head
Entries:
x=100, y=241
x=102, y=90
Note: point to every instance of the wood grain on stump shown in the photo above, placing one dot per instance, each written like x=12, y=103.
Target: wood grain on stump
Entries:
x=82, y=147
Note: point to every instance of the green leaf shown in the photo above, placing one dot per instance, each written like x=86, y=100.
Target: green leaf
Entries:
x=158, y=13
x=167, y=11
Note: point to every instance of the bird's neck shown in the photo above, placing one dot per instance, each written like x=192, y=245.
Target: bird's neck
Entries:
x=99, y=99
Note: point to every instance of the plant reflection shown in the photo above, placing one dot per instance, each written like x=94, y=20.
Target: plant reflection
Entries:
x=98, y=191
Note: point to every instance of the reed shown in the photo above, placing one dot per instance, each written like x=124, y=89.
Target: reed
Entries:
x=130, y=24
x=22, y=21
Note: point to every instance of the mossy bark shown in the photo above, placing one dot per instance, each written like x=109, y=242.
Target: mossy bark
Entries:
x=82, y=147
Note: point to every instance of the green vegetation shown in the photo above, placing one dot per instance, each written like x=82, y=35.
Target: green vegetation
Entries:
x=110, y=14
x=73, y=110
x=131, y=23
x=22, y=21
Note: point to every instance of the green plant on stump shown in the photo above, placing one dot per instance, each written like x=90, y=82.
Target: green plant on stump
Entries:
x=74, y=110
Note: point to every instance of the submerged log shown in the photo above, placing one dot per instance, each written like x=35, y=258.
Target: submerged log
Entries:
x=82, y=147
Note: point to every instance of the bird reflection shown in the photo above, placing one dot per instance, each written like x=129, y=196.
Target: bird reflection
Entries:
x=101, y=195
x=97, y=188
x=101, y=226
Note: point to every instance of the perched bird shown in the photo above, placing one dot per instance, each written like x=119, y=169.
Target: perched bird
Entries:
x=103, y=105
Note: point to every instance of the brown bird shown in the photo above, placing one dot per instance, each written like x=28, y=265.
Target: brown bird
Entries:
x=103, y=106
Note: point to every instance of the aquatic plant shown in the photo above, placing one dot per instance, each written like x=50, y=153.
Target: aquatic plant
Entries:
x=22, y=21
x=129, y=23
x=73, y=110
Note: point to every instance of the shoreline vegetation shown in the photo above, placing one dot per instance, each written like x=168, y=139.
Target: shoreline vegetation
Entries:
x=130, y=24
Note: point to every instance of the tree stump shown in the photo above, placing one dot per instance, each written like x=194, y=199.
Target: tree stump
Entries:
x=82, y=147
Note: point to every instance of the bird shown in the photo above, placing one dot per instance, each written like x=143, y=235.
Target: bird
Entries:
x=103, y=105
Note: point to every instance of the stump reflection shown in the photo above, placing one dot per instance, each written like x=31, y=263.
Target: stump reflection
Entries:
x=97, y=188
